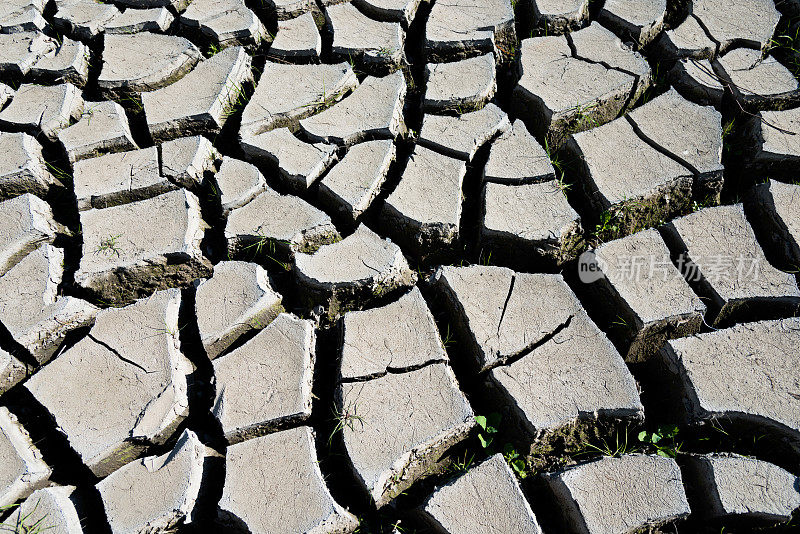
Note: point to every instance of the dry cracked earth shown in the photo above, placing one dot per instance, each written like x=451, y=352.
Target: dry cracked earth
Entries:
x=474, y=266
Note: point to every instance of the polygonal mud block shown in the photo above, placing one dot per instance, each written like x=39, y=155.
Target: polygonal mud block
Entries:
x=275, y=225
x=125, y=177
x=351, y=186
x=83, y=19
x=555, y=17
x=288, y=9
x=629, y=180
x=156, y=493
x=157, y=19
x=625, y=494
x=135, y=63
x=463, y=85
x=67, y=61
x=458, y=29
x=502, y=509
x=759, y=82
x=179, y=5
x=654, y=301
x=687, y=40
x=562, y=93
x=397, y=425
x=737, y=22
x=719, y=252
x=22, y=168
x=119, y=178
x=516, y=158
x=362, y=265
x=529, y=221
x=17, y=16
x=313, y=87
x=265, y=384
x=224, y=22
x=6, y=94
x=778, y=208
x=22, y=469
x=299, y=164
x=776, y=149
x=216, y=85
x=424, y=210
x=390, y=10
x=237, y=299
x=461, y=137
x=38, y=109
x=25, y=223
x=50, y=509
x=12, y=371
x=736, y=486
x=102, y=128
x=491, y=306
x=238, y=183
x=689, y=133
x=396, y=337
x=134, y=249
x=634, y=20
x=140, y=397
x=697, y=81
x=30, y=308
x=273, y=484
x=373, y=110
x=747, y=373
x=20, y=51
x=296, y=39
x=377, y=45
x=547, y=361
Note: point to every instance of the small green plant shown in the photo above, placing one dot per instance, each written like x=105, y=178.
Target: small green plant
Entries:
x=516, y=461
x=621, y=322
x=109, y=246
x=347, y=417
x=583, y=118
x=664, y=439
x=562, y=185
x=213, y=49
x=24, y=523
x=60, y=174
x=448, y=339
x=605, y=447
x=463, y=464
x=489, y=426
x=235, y=100
x=131, y=102
x=386, y=51
x=555, y=159
x=262, y=244
x=608, y=227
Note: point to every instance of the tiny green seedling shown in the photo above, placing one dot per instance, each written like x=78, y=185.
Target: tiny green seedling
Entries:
x=235, y=100
x=24, y=523
x=109, y=246
x=347, y=417
x=448, y=339
x=606, y=448
x=663, y=439
x=516, y=461
x=489, y=426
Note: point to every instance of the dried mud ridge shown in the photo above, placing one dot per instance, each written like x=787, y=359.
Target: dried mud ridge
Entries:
x=399, y=266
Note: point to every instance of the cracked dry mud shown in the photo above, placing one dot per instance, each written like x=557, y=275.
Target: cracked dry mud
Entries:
x=383, y=266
